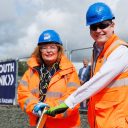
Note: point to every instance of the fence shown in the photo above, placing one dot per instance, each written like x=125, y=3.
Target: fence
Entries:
x=11, y=116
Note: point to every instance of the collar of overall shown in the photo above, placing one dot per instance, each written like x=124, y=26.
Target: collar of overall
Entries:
x=45, y=77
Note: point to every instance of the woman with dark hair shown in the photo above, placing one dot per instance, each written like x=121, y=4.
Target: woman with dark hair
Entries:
x=49, y=80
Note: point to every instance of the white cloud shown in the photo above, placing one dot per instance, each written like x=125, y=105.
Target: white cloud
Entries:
x=52, y=18
x=22, y=21
x=7, y=10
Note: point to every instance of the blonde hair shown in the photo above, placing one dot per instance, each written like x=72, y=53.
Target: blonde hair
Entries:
x=38, y=56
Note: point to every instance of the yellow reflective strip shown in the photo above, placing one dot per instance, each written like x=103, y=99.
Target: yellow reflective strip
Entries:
x=35, y=91
x=54, y=94
x=27, y=102
x=23, y=82
x=73, y=84
x=118, y=83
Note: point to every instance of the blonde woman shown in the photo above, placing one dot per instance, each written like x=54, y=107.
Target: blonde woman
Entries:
x=49, y=80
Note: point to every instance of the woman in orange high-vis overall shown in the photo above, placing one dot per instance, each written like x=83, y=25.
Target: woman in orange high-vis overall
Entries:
x=49, y=80
x=108, y=87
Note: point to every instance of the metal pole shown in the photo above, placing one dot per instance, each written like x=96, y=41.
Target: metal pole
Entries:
x=16, y=84
x=70, y=53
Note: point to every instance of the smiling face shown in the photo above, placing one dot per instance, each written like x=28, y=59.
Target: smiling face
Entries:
x=101, y=32
x=49, y=53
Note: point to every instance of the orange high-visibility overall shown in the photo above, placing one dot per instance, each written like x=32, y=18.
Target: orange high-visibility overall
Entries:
x=109, y=107
x=62, y=84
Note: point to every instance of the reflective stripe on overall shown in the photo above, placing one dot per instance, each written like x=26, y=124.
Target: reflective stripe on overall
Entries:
x=112, y=101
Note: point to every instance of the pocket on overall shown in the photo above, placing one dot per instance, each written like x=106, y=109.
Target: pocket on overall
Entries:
x=108, y=98
x=106, y=107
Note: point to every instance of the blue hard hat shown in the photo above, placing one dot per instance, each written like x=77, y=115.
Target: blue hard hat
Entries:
x=49, y=36
x=98, y=12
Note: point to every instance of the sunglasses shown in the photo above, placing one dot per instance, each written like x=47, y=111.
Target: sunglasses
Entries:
x=101, y=25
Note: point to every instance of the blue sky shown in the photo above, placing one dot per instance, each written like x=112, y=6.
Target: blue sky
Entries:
x=22, y=21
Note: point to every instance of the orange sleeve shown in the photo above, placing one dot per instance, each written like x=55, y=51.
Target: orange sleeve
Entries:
x=26, y=99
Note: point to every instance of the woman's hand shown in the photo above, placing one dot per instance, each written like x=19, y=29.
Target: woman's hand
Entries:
x=38, y=108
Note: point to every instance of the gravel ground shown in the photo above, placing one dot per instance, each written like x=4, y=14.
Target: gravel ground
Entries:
x=84, y=121
x=13, y=117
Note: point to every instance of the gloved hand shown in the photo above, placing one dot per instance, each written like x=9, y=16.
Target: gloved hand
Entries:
x=57, y=110
x=38, y=108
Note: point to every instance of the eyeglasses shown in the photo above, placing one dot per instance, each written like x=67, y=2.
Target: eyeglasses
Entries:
x=52, y=48
x=101, y=25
